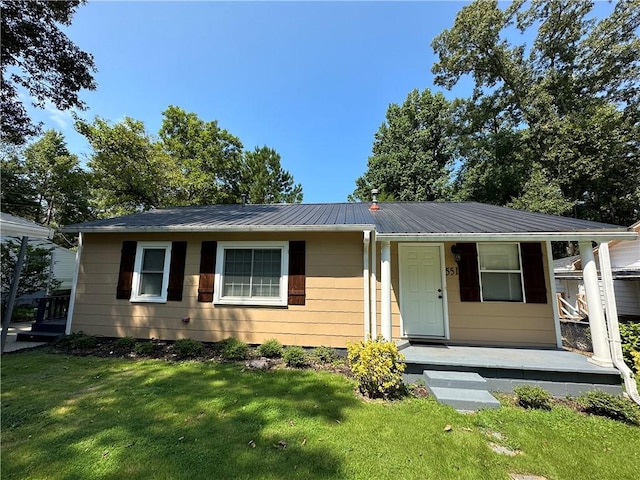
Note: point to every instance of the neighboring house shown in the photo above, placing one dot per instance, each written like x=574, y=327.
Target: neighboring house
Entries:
x=61, y=268
x=625, y=268
x=327, y=274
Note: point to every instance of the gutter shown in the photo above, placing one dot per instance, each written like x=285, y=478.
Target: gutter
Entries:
x=596, y=236
x=224, y=229
x=615, y=342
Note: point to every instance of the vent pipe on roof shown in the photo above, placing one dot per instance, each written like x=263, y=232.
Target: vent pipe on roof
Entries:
x=374, y=200
x=244, y=199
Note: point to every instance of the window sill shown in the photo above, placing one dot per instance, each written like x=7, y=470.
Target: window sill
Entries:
x=147, y=300
x=251, y=302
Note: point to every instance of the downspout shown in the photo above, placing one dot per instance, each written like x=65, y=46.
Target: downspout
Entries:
x=615, y=342
x=374, y=287
x=74, y=287
x=385, y=294
x=366, y=281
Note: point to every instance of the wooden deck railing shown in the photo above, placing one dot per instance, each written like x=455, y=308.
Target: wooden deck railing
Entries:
x=567, y=311
x=52, y=308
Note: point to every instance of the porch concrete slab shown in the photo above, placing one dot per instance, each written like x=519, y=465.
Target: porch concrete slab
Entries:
x=502, y=358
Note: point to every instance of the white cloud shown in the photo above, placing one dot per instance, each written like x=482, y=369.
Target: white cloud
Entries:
x=63, y=119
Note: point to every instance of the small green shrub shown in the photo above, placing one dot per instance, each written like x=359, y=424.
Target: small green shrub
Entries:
x=377, y=365
x=144, y=348
x=636, y=361
x=125, y=343
x=234, y=349
x=529, y=396
x=76, y=341
x=188, y=348
x=271, y=348
x=630, y=336
x=325, y=355
x=22, y=313
x=615, y=407
x=295, y=357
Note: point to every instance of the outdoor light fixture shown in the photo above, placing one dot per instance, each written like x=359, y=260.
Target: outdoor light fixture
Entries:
x=457, y=256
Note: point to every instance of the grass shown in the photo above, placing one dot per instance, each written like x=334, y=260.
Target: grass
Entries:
x=66, y=417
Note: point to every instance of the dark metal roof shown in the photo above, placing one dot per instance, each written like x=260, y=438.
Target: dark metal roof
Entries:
x=214, y=217
x=471, y=217
x=392, y=218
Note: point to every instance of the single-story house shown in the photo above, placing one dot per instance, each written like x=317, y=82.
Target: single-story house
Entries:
x=327, y=274
x=625, y=269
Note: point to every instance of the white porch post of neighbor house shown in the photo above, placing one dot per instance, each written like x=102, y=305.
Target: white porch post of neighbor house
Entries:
x=601, y=353
x=385, y=266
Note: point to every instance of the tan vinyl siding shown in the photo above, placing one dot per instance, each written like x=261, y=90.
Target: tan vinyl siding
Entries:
x=333, y=313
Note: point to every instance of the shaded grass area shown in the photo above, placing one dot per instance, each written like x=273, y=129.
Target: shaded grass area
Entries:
x=85, y=417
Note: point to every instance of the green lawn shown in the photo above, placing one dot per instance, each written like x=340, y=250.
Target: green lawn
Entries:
x=86, y=417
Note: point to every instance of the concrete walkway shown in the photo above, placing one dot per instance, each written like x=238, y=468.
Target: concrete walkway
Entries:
x=11, y=345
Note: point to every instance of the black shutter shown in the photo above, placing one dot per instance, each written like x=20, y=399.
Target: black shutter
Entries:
x=207, y=271
x=125, y=276
x=535, y=288
x=176, y=271
x=468, y=272
x=297, y=278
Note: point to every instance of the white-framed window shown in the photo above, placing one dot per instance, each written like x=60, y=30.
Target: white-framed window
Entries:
x=151, y=272
x=500, y=272
x=251, y=273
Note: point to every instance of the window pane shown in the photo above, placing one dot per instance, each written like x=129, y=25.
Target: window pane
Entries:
x=266, y=273
x=237, y=273
x=252, y=272
x=153, y=260
x=151, y=284
x=502, y=287
x=499, y=257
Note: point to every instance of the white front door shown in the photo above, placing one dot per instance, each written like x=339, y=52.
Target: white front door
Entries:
x=421, y=293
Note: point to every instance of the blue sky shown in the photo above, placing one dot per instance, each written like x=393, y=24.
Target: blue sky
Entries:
x=312, y=80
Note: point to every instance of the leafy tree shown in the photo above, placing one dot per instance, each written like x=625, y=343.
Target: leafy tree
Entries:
x=412, y=153
x=264, y=180
x=36, y=55
x=130, y=172
x=542, y=195
x=208, y=158
x=191, y=162
x=493, y=166
x=60, y=186
x=17, y=194
x=572, y=96
x=35, y=275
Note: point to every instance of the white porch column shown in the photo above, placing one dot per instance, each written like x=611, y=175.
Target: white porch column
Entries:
x=601, y=353
x=385, y=265
x=74, y=286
